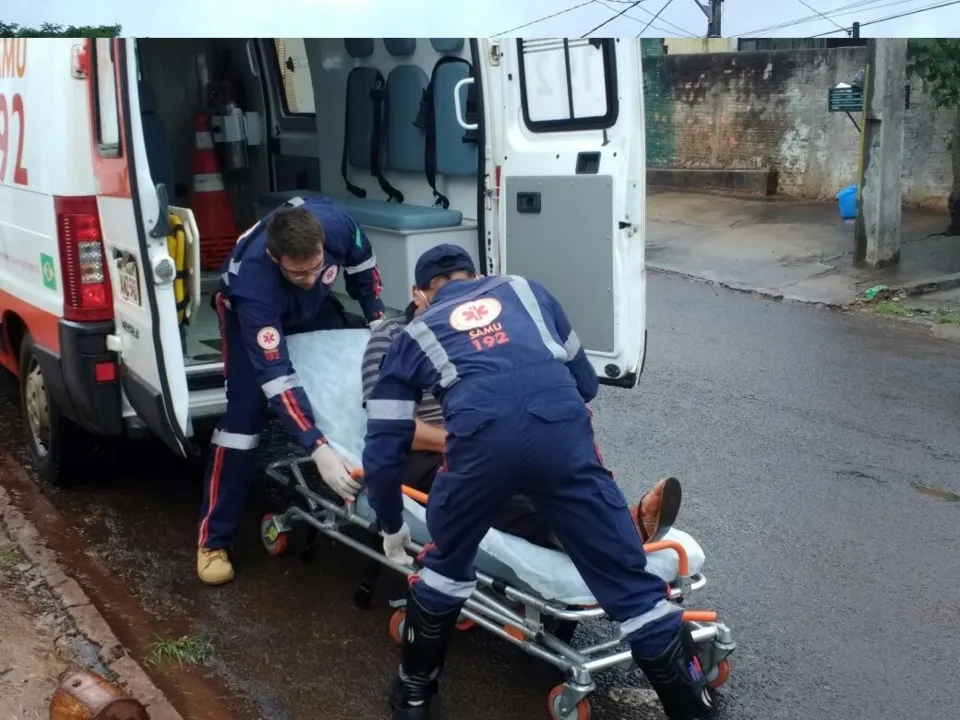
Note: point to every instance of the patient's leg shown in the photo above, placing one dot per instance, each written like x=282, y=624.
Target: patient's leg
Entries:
x=421, y=470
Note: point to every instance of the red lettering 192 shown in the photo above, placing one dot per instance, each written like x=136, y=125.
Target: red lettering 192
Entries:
x=8, y=111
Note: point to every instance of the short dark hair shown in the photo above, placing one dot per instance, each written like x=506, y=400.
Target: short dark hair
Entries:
x=295, y=233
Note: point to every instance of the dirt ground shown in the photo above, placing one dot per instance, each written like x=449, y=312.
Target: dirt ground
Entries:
x=35, y=642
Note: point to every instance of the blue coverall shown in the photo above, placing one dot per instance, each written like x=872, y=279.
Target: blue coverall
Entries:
x=258, y=308
x=501, y=357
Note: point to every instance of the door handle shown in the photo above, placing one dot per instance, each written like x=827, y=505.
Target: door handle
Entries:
x=528, y=202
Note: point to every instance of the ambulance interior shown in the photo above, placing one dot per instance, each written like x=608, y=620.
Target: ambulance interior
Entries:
x=292, y=117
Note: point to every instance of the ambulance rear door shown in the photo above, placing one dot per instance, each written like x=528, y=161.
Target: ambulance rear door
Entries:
x=571, y=188
x=133, y=214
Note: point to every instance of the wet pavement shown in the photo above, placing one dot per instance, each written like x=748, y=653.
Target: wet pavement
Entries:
x=820, y=456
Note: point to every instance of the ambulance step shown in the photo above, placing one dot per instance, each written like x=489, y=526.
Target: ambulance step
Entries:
x=208, y=376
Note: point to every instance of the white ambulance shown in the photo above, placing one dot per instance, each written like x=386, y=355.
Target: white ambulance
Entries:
x=528, y=153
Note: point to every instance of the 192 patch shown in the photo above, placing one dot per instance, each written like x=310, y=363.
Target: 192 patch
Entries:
x=475, y=314
x=268, y=338
x=329, y=275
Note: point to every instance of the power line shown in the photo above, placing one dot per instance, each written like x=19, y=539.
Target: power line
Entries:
x=836, y=12
x=803, y=2
x=547, y=17
x=610, y=20
x=657, y=27
x=900, y=15
x=665, y=6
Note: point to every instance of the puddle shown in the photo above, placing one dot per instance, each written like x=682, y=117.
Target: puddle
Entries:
x=939, y=494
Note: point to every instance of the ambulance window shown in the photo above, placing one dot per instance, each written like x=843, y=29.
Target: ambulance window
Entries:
x=105, y=93
x=295, y=79
x=568, y=84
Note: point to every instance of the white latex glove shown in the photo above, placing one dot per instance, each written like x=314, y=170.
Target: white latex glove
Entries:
x=393, y=546
x=374, y=324
x=335, y=472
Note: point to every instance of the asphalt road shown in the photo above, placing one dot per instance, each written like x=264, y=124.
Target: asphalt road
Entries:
x=820, y=456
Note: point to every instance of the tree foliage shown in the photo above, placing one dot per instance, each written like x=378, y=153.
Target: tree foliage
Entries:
x=49, y=30
x=937, y=63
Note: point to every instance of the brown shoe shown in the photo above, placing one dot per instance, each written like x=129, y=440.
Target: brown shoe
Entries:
x=657, y=511
x=214, y=566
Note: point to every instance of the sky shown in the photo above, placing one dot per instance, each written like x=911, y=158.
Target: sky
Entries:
x=484, y=18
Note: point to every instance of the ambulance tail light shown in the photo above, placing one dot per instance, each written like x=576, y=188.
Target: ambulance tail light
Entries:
x=87, y=295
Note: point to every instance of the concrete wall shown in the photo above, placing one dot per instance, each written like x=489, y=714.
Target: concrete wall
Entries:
x=768, y=110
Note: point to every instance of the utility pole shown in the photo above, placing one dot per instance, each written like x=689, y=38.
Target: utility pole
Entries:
x=855, y=31
x=878, y=225
x=713, y=13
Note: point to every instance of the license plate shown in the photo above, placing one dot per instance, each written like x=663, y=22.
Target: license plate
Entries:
x=130, y=282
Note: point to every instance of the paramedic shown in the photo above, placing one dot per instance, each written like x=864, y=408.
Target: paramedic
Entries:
x=500, y=356
x=277, y=282
x=653, y=515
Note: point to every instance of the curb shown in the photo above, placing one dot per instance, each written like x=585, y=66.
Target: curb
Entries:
x=947, y=282
x=84, y=614
x=765, y=293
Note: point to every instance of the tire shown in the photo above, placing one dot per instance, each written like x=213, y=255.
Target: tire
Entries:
x=52, y=440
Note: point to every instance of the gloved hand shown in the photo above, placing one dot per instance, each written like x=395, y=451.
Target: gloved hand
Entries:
x=393, y=546
x=335, y=472
x=375, y=323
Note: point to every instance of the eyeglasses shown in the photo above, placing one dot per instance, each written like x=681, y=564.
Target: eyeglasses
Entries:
x=303, y=274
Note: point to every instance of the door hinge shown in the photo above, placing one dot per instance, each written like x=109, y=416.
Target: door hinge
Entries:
x=495, y=53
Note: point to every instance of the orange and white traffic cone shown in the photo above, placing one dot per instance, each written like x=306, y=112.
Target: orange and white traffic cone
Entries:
x=209, y=201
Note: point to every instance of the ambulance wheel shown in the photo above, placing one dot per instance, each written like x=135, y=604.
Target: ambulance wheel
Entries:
x=398, y=622
x=51, y=437
x=720, y=675
x=275, y=542
x=580, y=711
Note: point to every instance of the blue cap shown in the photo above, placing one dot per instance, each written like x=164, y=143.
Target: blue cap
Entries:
x=440, y=260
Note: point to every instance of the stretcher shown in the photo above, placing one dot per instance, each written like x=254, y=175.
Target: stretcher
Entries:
x=530, y=596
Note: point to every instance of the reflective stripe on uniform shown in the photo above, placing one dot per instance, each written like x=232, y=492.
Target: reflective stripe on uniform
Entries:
x=233, y=266
x=529, y=301
x=572, y=345
x=274, y=387
x=295, y=202
x=460, y=589
x=235, y=441
x=391, y=410
x=365, y=265
x=434, y=351
x=662, y=609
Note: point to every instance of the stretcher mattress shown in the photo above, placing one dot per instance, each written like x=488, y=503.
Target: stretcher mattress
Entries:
x=328, y=363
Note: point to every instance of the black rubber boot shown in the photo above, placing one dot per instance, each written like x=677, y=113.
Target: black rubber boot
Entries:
x=678, y=680
x=426, y=637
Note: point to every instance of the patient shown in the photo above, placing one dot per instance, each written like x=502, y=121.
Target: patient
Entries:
x=653, y=515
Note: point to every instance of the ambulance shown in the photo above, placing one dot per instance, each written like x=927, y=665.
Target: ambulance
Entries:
x=128, y=167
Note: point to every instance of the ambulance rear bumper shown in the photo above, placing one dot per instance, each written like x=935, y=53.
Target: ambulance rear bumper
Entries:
x=93, y=402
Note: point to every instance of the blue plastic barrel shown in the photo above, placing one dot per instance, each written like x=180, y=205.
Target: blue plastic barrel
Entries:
x=847, y=200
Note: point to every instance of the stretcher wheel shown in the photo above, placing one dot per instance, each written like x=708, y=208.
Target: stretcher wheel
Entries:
x=275, y=542
x=723, y=674
x=398, y=621
x=581, y=711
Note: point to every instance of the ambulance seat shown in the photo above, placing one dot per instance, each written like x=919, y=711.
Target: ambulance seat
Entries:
x=155, y=139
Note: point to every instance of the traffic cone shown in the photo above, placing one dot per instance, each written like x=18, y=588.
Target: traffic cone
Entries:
x=209, y=201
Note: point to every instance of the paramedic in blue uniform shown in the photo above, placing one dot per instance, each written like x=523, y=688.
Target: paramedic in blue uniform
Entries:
x=277, y=282
x=500, y=356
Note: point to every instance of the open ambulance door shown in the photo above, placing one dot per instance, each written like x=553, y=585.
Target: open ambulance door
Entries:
x=133, y=217
x=571, y=188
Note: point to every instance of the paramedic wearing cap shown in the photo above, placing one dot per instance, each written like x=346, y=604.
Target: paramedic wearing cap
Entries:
x=513, y=382
x=275, y=283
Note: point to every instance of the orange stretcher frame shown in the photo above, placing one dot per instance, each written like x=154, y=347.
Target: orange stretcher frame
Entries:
x=683, y=566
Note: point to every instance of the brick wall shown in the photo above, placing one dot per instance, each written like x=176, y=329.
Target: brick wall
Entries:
x=768, y=110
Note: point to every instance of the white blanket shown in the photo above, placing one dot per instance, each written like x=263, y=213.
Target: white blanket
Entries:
x=328, y=363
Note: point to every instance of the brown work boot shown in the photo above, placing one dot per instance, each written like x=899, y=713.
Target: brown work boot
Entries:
x=213, y=566
x=657, y=511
